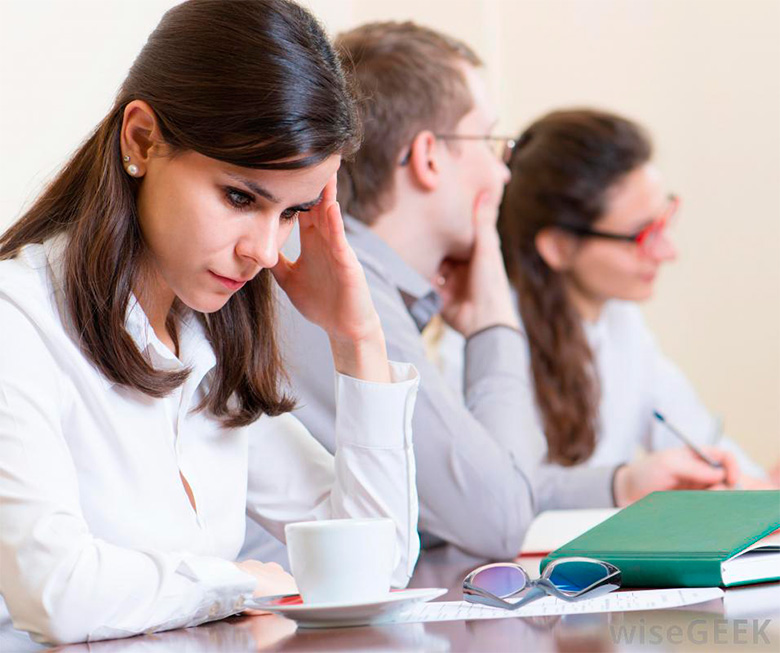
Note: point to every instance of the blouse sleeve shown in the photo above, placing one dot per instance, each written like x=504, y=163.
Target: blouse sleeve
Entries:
x=293, y=478
x=61, y=583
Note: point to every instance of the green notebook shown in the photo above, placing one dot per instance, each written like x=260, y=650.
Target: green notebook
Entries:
x=688, y=539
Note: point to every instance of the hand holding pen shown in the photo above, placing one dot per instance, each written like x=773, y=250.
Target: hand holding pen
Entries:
x=698, y=451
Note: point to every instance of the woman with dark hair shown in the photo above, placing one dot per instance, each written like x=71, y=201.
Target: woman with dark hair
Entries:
x=584, y=224
x=142, y=402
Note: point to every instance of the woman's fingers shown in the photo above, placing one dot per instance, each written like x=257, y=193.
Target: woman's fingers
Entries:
x=690, y=470
x=281, y=270
x=774, y=475
x=338, y=242
x=257, y=613
x=327, y=201
x=703, y=474
x=753, y=483
x=330, y=191
x=728, y=463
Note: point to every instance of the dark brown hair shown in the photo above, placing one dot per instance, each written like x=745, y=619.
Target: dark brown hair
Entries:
x=562, y=169
x=254, y=83
x=407, y=79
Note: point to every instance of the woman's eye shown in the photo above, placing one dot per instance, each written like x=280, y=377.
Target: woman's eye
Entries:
x=289, y=215
x=238, y=199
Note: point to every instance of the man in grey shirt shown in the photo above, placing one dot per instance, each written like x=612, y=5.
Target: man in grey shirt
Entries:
x=422, y=196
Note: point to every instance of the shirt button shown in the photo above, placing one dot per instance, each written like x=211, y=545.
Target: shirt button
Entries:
x=214, y=610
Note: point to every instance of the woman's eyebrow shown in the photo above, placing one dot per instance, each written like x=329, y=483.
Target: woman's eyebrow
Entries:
x=259, y=190
x=255, y=188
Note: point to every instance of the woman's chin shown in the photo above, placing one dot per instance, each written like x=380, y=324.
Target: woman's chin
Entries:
x=207, y=302
x=643, y=293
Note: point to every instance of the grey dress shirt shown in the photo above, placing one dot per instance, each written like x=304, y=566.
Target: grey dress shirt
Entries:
x=477, y=488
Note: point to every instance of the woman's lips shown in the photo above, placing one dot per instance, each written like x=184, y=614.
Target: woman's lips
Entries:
x=230, y=284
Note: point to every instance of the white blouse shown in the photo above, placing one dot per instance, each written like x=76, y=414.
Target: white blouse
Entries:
x=98, y=538
x=636, y=379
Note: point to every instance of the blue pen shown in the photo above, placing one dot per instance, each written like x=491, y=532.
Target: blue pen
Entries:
x=688, y=443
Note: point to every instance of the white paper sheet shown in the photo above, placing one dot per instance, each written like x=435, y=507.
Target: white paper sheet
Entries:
x=615, y=602
x=554, y=528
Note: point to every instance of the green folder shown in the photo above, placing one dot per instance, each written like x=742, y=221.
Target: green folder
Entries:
x=688, y=539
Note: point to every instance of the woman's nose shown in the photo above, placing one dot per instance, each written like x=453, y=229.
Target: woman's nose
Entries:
x=260, y=243
x=664, y=249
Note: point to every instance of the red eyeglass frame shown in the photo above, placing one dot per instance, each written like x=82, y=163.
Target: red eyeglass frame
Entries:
x=657, y=226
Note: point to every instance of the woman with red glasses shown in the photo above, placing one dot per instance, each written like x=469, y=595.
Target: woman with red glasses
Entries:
x=584, y=226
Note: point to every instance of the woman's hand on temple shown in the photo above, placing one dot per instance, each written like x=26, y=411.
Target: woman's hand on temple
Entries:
x=328, y=287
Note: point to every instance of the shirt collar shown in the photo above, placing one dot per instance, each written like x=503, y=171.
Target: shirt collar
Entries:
x=596, y=332
x=421, y=300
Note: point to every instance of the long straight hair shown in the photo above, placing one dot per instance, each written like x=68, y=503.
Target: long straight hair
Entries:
x=254, y=83
x=563, y=167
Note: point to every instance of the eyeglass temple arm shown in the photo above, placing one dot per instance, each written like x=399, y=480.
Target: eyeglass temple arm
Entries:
x=533, y=594
x=480, y=596
x=583, y=231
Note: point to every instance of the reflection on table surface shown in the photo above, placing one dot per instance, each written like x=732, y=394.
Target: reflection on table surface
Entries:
x=748, y=618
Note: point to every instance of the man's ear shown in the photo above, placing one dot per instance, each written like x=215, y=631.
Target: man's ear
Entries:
x=140, y=135
x=556, y=248
x=423, y=161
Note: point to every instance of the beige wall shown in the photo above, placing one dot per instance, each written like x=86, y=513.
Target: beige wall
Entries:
x=703, y=75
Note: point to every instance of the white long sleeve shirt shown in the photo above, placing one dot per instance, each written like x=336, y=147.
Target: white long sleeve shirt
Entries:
x=636, y=379
x=98, y=538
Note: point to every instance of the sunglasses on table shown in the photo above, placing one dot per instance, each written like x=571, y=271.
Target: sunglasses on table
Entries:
x=645, y=239
x=569, y=579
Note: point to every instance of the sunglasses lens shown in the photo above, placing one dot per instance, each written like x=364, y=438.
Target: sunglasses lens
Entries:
x=576, y=575
x=501, y=581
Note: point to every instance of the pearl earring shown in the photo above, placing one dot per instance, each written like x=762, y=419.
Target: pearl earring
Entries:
x=132, y=169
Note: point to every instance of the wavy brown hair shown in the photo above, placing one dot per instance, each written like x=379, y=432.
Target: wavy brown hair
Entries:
x=254, y=83
x=563, y=167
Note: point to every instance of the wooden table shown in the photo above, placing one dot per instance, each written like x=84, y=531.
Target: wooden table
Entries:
x=748, y=619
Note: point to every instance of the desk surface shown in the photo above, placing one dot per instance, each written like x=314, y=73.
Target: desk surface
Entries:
x=747, y=619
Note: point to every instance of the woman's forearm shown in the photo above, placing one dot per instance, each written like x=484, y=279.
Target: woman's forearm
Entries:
x=364, y=359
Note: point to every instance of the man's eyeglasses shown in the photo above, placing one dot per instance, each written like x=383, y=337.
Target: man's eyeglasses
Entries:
x=645, y=239
x=569, y=579
x=501, y=146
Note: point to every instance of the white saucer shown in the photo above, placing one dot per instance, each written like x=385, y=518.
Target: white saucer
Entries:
x=337, y=615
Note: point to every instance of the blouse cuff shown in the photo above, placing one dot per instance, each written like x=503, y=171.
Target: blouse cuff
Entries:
x=379, y=415
x=225, y=587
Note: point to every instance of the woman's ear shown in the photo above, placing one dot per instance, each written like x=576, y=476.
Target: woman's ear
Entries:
x=140, y=137
x=423, y=162
x=556, y=248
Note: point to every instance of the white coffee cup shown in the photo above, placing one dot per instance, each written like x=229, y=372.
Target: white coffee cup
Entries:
x=342, y=560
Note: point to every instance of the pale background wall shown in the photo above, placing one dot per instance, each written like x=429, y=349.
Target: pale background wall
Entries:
x=703, y=75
